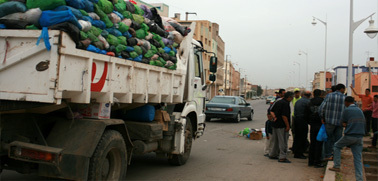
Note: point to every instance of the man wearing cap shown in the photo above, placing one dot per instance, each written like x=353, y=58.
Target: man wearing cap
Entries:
x=297, y=96
x=300, y=143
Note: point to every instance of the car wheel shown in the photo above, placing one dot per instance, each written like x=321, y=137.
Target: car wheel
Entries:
x=238, y=117
x=250, y=117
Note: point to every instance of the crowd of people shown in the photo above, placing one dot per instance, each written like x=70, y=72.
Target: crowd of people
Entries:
x=330, y=111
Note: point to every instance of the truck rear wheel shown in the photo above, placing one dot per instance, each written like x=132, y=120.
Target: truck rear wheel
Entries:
x=179, y=160
x=109, y=161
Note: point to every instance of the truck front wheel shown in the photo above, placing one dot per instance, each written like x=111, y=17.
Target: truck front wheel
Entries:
x=179, y=160
x=109, y=161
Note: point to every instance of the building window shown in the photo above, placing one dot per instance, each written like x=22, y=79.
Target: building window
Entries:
x=375, y=88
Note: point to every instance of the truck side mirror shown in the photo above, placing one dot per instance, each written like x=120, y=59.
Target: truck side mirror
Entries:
x=213, y=64
x=212, y=77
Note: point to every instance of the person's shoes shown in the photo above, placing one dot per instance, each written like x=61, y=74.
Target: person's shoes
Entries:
x=273, y=157
x=300, y=156
x=319, y=165
x=328, y=159
x=334, y=169
x=267, y=155
x=284, y=160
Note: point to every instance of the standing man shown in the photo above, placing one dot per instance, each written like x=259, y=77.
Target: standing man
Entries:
x=354, y=122
x=316, y=147
x=297, y=96
x=330, y=111
x=366, y=100
x=300, y=143
x=374, y=108
x=281, y=126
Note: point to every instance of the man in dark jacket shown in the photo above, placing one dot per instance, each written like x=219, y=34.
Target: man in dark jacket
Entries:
x=300, y=138
x=315, y=121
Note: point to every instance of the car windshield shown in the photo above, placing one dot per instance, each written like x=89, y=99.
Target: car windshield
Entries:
x=225, y=100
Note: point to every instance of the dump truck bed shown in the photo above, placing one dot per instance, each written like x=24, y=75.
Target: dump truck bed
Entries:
x=29, y=72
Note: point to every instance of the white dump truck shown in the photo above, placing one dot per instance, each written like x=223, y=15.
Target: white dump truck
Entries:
x=41, y=92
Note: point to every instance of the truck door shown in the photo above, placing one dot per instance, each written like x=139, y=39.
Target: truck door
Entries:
x=199, y=83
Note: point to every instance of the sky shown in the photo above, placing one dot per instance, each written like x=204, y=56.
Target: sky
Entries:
x=263, y=37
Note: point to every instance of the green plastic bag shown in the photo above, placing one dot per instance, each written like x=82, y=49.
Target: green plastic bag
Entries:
x=120, y=6
x=99, y=45
x=138, y=50
x=156, y=37
x=175, y=45
x=84, y=13
x=3, y=1
x=105, y=6
x=127, y=14
x=138, y=18
x=162, y=43
x=120, y=48
x=122, y=27
x=173, y=67
x=45, y=5
x=138, y=10
x=95, y=31
x=153, y=49
x=149, y=54
x=103, y=16
x=83, y=35
x=122, y=40
x=161, y=50
x=93, y=37
x=141, y=33
x=159, y=63
x=152, y=62
x=172, y=53
x=162, y=61
x=112, y=40
x=145, y=27
x=32, y=27
x=133, y=54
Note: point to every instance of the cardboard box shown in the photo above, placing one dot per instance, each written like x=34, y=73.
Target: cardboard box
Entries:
x=256, y=135
x=96, y=110
x=162, y=117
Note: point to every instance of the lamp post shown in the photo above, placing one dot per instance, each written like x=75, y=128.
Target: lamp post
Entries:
x=300, y=53
x=299, y=72
x=325, y=47
x=371, y=31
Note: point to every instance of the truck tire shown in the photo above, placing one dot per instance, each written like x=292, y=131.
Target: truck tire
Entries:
x=109, y=161
x=179, y=160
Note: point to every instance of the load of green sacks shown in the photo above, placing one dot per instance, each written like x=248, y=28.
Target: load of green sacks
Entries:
x=117, y=28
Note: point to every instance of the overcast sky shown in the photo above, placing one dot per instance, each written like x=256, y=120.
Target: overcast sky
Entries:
x=264, y=36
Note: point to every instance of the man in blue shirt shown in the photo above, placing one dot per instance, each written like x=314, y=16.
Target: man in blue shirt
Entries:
x=353, y=120
x=330, y=111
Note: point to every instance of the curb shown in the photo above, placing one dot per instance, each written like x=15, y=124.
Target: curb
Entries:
x=329, y=175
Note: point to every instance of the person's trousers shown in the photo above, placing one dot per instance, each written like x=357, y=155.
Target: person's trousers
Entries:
x=300, y=138
x=374, y=124
x=316, y=147
x=269, y=143
x=367, y=115
x=375, y=138
x=280, y=137
x=355, y=143
x=334, y=133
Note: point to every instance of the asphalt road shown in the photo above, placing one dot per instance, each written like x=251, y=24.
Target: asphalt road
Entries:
x=218, y=155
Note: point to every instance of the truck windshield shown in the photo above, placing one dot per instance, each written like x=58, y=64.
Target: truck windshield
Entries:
x=225, y=100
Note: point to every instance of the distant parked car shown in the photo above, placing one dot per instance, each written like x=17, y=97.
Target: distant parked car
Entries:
x=254, y=97
x=268, y=99
x=229, y=107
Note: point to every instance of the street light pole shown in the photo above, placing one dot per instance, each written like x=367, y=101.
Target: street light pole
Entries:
x=225, y=76
x=299, y=72
x=300, y=53
x=325, y=48
x=353, y=26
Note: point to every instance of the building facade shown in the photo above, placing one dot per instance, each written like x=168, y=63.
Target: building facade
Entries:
x=318, y=82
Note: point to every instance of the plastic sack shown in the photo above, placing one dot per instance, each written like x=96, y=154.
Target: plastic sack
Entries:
x=169, y=64
x=45, y=37
x=106, y=6
x=103, y=40
x=138, y=50
x=49, y=18
x=125, y=55
x=11, y=7
x=104, y=33
x=149, y=54
x=138, y=10
x=103, y=16
x=112, y=40
x=114, y=31
x=147, y=12
x=122, y=40
x=94, y=16
x=70, y=29
x=138, y=18
x=29, y=27
x=127, y=34
x=92, y=48
x=95, y=31
x=120, y=48
x=99, y=24
x=78, y=4
x=138, y=58
x=120, y=6
x=83, y=35
x=132, y=32
x=135, y=25
x=322, y=134
x=145, y=60
x=122, y=27
x=178, y=37
x=76, y=12
x=119, y=15
x=133, y=54
x=31, y=16
x=84, y=13
x=92, y=37
x=130, y=7
x=129, y=49
x=145, y=113
x=141, y=34
x=88, y=6
x=45, y=5
x=114, y=18
x=155, y=57
x=87, y=18
x=99, y=45
x=3, y=1
x=132, y=41
x=85, y=25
